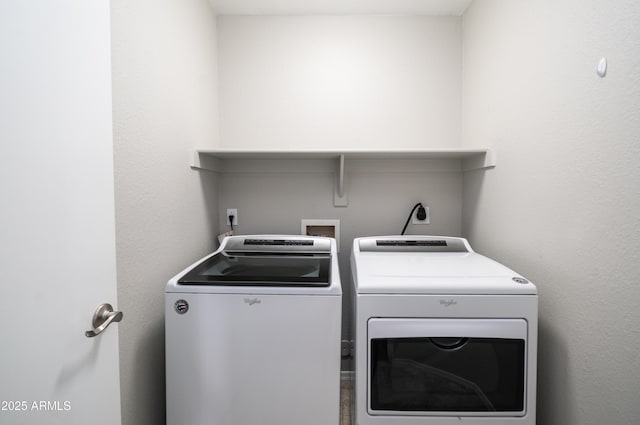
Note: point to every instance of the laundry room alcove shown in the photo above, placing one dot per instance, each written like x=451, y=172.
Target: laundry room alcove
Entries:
x=274, y=189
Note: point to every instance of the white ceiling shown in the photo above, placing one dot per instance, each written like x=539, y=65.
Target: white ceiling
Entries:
x=340, y=7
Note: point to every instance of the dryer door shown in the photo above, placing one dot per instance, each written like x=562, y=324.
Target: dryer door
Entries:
x=447, y=367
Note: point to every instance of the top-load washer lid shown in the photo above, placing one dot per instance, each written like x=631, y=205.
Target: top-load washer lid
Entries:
x=265, y=261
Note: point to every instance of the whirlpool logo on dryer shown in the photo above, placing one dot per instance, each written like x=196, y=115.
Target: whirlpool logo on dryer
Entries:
x=448, y=302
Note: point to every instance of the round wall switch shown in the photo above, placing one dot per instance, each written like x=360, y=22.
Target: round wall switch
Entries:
x=602, y=67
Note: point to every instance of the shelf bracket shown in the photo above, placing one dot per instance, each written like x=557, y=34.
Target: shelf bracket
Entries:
x=340, y=191
x=203, y=162
x=480, y=162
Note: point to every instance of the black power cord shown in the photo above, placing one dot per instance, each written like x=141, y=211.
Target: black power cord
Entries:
x=421, y=215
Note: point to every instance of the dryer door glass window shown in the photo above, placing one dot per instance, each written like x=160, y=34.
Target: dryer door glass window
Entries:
x=455, y=374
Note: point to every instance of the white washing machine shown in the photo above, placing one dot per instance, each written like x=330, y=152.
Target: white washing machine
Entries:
x=443, y=335
x=253, y=334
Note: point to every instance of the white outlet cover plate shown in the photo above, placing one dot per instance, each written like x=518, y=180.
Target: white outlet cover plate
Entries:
x=414, y=218
x=234, y=213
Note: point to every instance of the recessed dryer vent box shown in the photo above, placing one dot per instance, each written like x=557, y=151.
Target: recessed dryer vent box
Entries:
x=325, y=228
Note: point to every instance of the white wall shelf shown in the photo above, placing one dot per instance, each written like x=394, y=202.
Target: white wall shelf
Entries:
x=315, y=160
x=471, y=159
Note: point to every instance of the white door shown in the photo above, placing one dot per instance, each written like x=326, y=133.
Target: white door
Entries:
x=57, y=236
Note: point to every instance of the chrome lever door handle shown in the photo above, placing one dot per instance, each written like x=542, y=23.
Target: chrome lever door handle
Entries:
x=102, y=318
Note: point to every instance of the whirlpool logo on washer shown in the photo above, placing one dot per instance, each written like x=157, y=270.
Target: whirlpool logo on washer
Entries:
x=252, y=301
x=181, y=306
x=448, y=303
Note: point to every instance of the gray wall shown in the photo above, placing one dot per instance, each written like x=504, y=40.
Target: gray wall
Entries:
x=339, y=81
x=164, y=106
x=562, y=205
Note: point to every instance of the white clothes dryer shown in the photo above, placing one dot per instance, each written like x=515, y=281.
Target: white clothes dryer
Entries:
x=253, y=334
x=443, y=335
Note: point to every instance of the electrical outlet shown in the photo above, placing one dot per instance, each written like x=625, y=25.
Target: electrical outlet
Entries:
x=232, y=212
x=416, y=220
